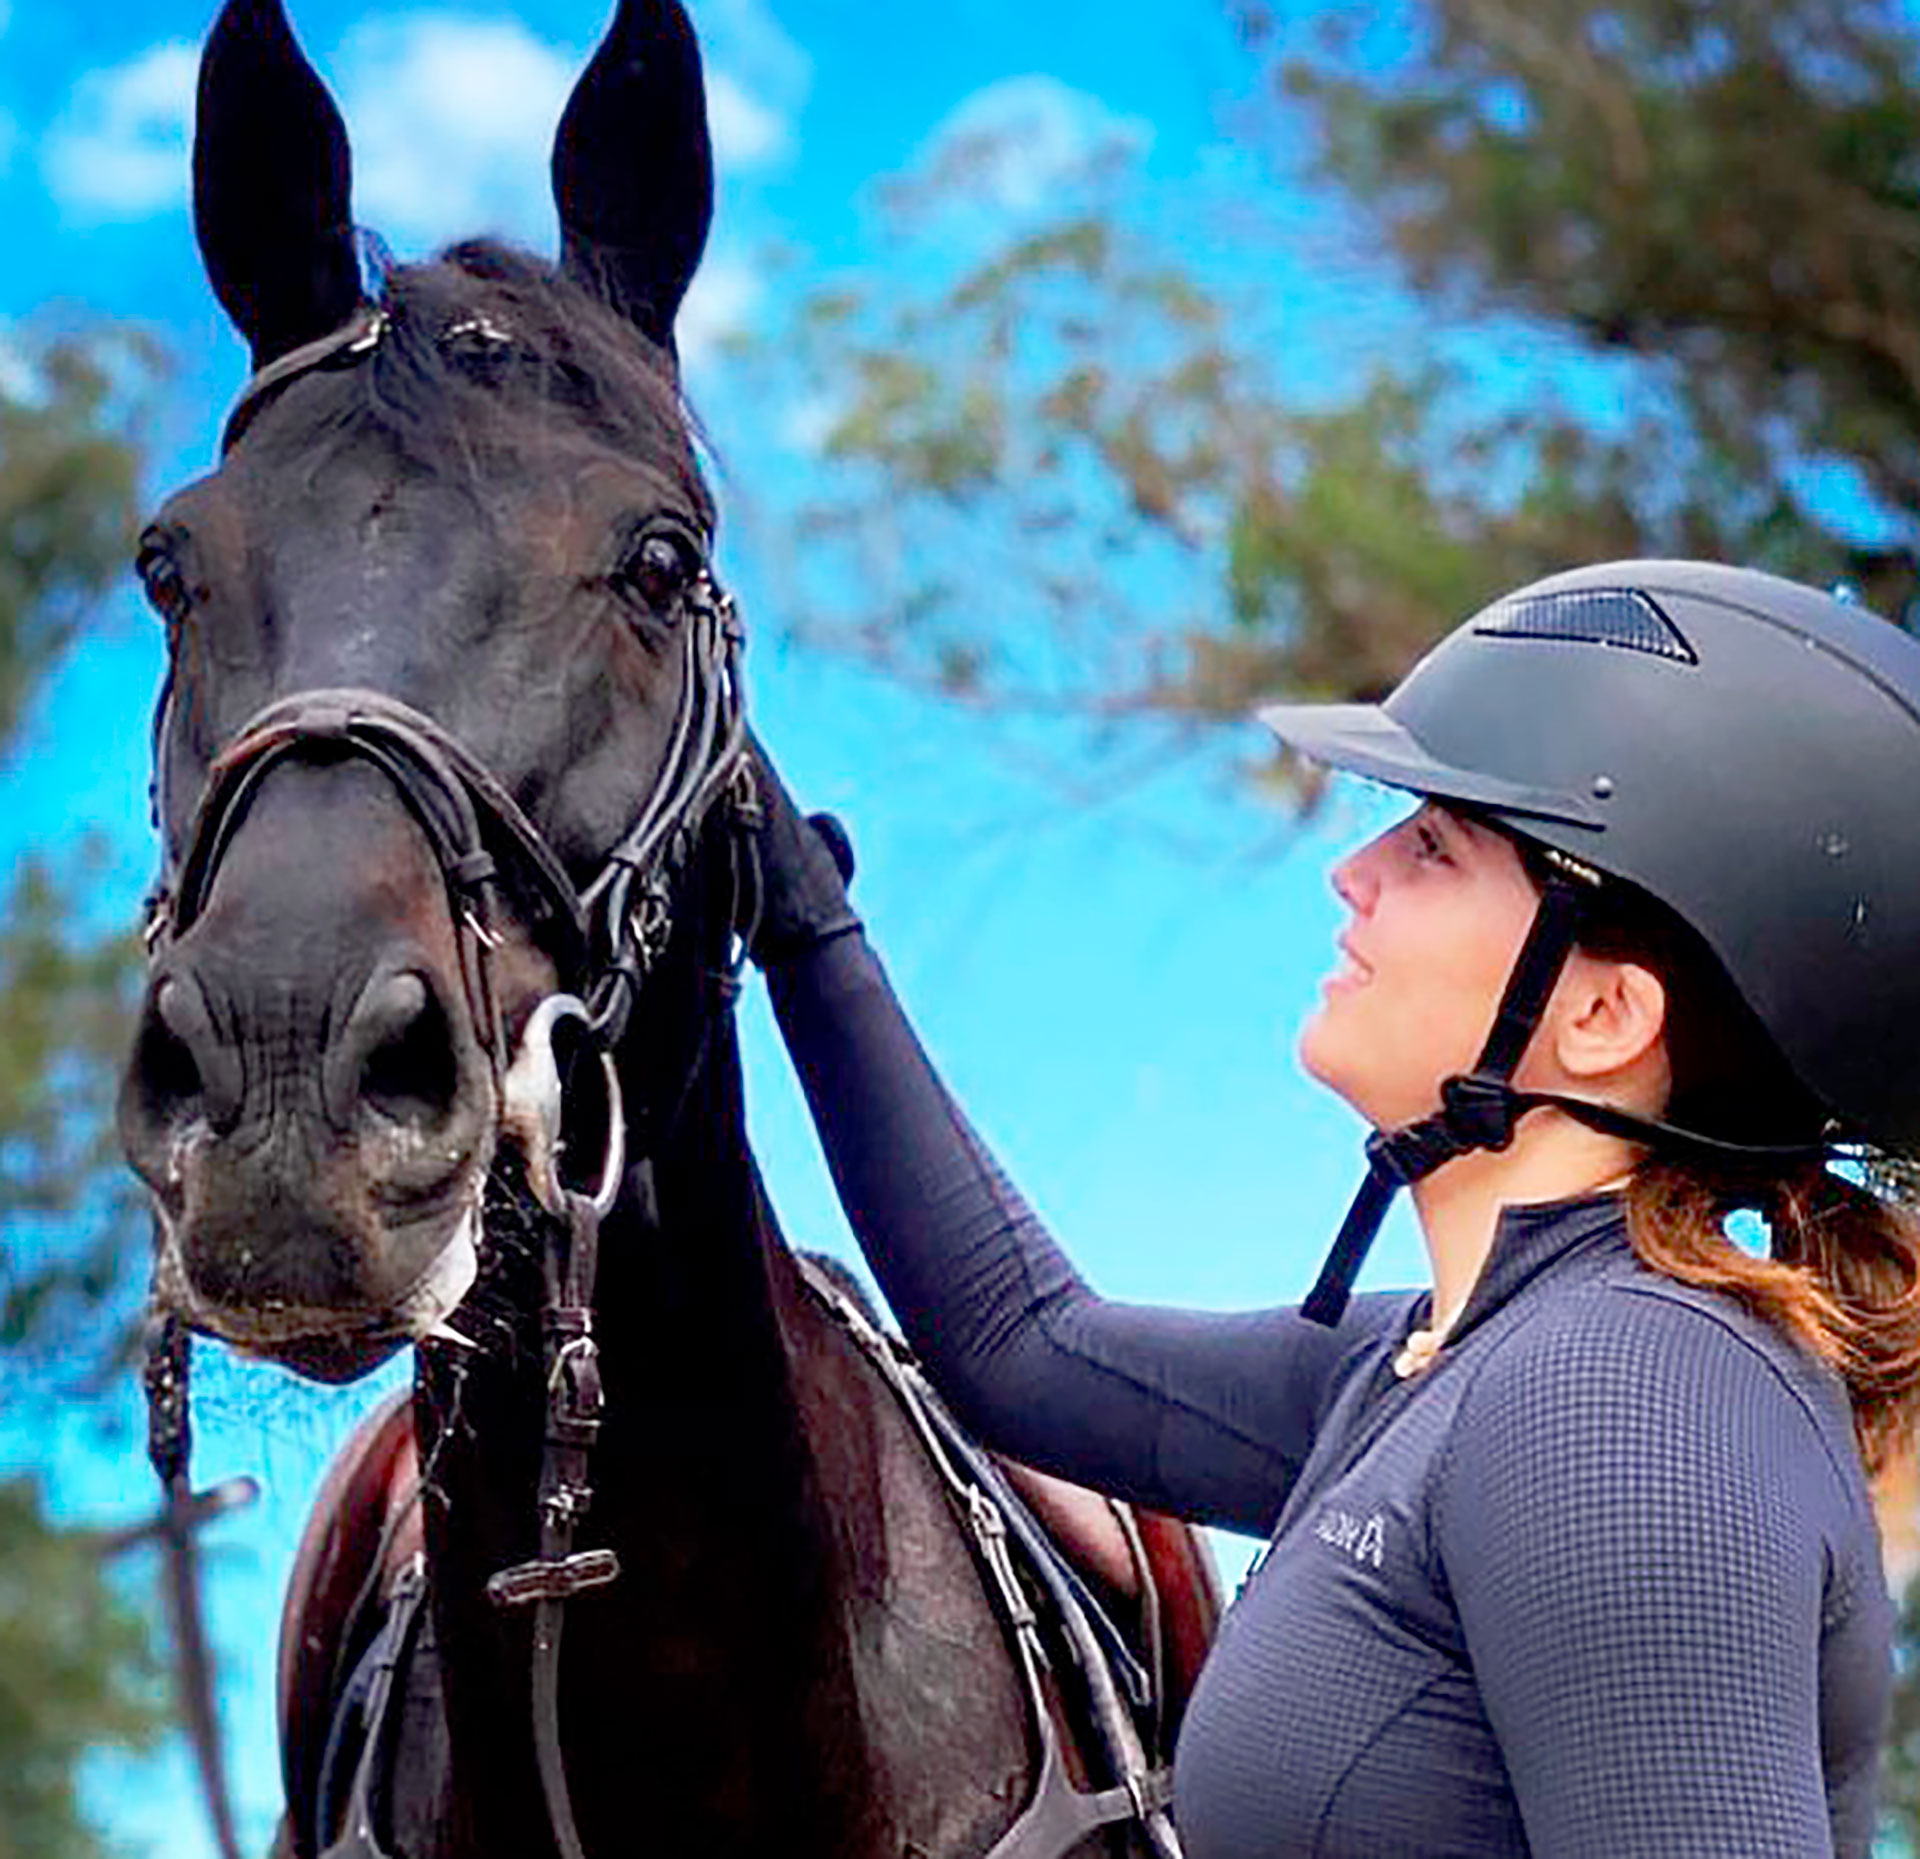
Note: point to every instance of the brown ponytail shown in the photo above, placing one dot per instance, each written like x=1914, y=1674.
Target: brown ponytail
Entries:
x=1843, y=1278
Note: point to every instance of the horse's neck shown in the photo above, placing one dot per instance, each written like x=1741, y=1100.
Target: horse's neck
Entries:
x=721, y=1647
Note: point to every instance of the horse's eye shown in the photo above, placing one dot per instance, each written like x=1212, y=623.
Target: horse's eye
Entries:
x=166, y=584
x=662, y=566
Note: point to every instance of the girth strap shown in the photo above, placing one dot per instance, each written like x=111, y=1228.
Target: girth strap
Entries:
x=379, y=1670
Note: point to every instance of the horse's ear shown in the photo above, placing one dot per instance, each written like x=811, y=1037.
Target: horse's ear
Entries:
x=633, y=168
x=271, y=184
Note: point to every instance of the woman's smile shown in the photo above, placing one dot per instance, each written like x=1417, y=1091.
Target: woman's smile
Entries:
x=1354, y=970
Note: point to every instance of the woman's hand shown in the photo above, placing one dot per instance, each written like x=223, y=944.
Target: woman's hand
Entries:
x=805, y=867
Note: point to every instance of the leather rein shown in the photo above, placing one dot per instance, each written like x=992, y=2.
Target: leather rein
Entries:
x=607, y=936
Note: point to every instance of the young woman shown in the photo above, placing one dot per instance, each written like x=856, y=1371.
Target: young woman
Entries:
x=1572, y=1553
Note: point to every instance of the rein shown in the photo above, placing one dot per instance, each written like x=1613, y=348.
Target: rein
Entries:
x=610, y=935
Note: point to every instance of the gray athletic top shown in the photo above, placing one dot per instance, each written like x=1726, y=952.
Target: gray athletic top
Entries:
x=1603, y=1580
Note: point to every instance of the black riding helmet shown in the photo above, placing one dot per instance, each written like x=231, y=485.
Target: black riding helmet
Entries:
x=1743, y=749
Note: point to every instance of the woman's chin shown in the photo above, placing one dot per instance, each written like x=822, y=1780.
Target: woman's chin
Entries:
x=1322, y=1053
x=1352, y=1069
x=1330, y=1043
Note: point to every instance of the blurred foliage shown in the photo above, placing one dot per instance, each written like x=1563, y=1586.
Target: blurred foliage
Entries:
x=71, y=417
x=1659, y=262
x=76, y=1670
x=71, y=1230
x=1900, y=1783
x=69, y=482
x=76, y=1665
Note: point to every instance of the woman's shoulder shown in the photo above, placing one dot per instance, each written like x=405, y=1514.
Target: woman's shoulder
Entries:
x=1633, y=1359
x=1640, y=1419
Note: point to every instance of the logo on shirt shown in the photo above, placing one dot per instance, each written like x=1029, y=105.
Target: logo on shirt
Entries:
x=1362, y=1538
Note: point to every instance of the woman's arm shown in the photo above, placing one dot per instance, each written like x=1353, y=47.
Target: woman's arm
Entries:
x=1645, y=1531
x=1208, y=1416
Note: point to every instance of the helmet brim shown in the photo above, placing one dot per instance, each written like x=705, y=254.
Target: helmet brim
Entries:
x=1362, y=739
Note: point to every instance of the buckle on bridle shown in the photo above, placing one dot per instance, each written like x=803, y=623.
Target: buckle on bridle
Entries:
x=557, y=1580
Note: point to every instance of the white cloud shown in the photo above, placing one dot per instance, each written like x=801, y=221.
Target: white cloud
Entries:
x=119, y=150
x=1015, y=144
x=452, y=120
x=743, y=36
x=720, y=303
x=745, y=131
x=809, y=422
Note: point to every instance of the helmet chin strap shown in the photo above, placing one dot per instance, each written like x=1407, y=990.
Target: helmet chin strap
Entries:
x=1478, y=1109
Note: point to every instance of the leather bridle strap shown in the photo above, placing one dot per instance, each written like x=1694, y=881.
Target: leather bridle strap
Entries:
x=449, y=792
x=706, y=758
x=339, y=348
x=558, y=1572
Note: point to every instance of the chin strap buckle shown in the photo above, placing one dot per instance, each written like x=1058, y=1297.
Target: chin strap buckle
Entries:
x=1479, y=1109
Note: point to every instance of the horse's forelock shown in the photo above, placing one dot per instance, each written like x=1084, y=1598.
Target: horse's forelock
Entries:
x=483, y=345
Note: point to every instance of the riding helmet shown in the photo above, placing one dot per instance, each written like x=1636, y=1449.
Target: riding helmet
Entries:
x=1744, y=749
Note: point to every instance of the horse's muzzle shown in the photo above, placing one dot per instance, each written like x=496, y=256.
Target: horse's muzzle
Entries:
x=316, y=1175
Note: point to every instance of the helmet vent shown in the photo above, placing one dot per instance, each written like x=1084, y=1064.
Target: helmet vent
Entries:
x=1622, y=617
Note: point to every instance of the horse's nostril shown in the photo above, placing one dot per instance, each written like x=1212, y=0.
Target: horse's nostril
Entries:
x=178, y=1062
x=411, y=1073
x=167, y=1067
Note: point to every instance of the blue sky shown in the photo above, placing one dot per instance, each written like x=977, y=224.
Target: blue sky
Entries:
x=1117, y=1016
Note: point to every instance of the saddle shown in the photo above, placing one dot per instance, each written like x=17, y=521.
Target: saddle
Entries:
x=1150, y=1575
x=364, y=1530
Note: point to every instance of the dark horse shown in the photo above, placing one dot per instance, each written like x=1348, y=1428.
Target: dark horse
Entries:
x=451, y=725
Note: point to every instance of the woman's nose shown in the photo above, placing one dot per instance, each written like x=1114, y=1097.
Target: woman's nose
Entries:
x=1356, y=880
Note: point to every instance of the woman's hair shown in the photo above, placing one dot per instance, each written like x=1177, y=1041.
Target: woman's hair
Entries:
x=1842, y=1275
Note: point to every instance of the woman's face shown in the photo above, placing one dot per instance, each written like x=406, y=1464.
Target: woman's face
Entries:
x=1440, y=909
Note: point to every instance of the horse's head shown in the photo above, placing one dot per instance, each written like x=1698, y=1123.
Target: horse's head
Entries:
x=435, y=612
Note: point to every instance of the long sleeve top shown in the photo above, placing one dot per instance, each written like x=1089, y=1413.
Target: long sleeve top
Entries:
x=1603, y=1580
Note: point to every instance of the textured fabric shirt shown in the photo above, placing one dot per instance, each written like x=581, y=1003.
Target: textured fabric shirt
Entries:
x=1602, y=1580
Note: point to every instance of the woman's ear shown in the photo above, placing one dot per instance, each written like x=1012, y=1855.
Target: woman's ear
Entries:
x=1609, y=1020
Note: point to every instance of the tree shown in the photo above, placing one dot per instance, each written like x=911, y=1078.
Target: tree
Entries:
x=76, y=1667
x=69, y=488
x=1660, y=269
x=76, y=1670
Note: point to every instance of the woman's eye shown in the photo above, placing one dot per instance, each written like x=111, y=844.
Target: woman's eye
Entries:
x=659, y=571
x=1428, y=844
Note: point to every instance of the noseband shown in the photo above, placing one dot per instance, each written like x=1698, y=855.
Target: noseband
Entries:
x=606, y=937
x=611, y=933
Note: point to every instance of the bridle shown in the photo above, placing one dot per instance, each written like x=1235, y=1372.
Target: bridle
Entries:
x=612, y=930
x=606, y=936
